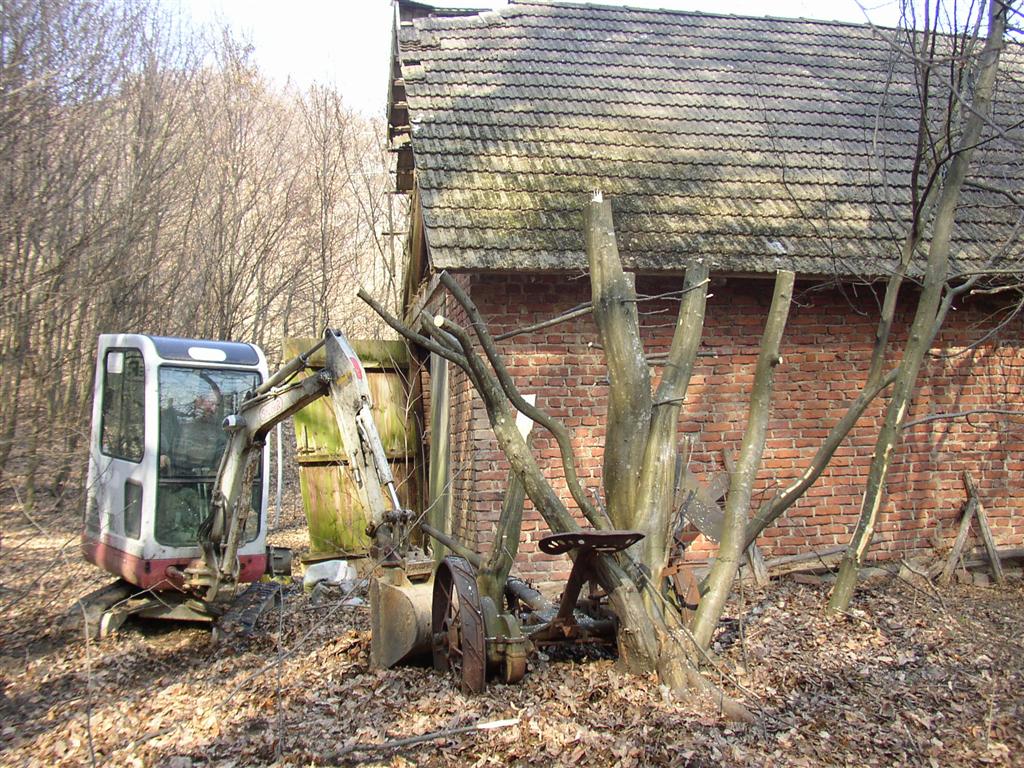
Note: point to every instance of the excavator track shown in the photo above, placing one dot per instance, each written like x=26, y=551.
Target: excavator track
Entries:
x=240, y=619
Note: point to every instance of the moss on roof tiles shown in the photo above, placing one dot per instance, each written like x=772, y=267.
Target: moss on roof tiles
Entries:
x=748, y=142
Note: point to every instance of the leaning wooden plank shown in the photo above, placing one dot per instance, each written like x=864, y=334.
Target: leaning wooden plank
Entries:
x=990, y=545
x=961, y=539
x=776, y=563
x=986, y=532
x=821, y=560
x=757, y=566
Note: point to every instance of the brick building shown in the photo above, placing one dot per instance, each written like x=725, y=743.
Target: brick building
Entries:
x=755, y=144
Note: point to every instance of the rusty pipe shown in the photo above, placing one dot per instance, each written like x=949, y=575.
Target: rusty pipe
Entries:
x=455, y=546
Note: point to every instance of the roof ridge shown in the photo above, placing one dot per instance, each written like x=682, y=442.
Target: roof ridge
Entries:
x=681, y=12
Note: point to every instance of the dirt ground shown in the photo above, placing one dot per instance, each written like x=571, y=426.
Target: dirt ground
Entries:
x=913, y=676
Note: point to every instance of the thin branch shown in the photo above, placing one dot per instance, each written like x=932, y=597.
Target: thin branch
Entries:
x=555, y=427
x=511, y=442
x=391, y=746
x=672, y=294
x=961, y=414
x=988, y=335
x=580, y=311
x=279, y=747
x=997, y=290
x=88, y=685
x=410, y=334
x=1013, y=197
x=772, y=509
x=572, y=314
x=454, y=545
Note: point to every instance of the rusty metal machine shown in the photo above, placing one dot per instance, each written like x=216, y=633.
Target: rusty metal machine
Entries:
x=478, y=639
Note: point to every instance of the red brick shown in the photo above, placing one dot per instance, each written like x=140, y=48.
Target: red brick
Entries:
x=825, y=350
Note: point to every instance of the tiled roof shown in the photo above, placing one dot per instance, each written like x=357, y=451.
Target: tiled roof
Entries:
x=755, y=143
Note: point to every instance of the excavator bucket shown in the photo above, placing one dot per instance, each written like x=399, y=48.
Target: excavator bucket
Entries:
x=399, y=618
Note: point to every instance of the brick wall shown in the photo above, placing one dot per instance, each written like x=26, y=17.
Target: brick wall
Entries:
x=825, y=352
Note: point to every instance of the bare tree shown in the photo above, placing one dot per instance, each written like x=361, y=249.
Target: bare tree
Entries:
x=155, y=181
x=942, y=166
x=81, y=155
x=348, y=238
x=639, y=463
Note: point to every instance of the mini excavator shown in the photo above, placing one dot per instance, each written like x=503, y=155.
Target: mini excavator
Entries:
x=178, y=475
x=176, y=509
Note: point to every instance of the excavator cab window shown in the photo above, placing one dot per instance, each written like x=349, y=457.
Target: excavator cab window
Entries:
x=124, y=382
x=193, y=404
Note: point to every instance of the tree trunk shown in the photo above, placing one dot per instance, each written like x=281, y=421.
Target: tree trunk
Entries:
x=927, y=310
x=737, y=505
x=629, y=378
x=495, y=569
x=646, y=640
x=639, y=638
x=655, y=514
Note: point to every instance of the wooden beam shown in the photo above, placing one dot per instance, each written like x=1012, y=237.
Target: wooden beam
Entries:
x=1010, y=553
x=789, y=563
x=986, y=532
x=961, y=539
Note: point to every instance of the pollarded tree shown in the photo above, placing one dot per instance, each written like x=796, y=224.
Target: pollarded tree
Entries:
x=640, y=450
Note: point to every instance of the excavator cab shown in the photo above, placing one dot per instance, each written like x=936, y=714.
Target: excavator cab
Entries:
x=156, y=444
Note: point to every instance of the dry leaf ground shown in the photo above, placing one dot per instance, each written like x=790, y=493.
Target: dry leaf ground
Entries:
x=911, y=677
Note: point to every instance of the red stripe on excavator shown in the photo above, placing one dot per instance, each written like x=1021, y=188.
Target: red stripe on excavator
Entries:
x=358, y=366
x=150, y=574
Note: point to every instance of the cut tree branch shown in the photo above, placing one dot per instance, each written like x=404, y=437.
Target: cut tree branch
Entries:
x=555, y=427
x=654, y=510
x=737, y=504
x=629, y=377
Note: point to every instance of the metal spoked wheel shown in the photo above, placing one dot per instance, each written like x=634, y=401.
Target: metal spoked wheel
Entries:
x=457, y=624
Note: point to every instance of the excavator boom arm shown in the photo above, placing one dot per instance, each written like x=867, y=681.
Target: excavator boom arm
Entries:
x=344, y=379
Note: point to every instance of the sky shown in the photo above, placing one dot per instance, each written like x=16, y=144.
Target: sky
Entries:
x=347, y=43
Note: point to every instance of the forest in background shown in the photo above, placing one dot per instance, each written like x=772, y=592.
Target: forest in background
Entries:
x=153, y=180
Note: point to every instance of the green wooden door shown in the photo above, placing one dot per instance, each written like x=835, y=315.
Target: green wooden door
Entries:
x=335, y=515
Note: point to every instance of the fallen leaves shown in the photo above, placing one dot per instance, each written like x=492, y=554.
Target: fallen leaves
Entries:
x=903, y=680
